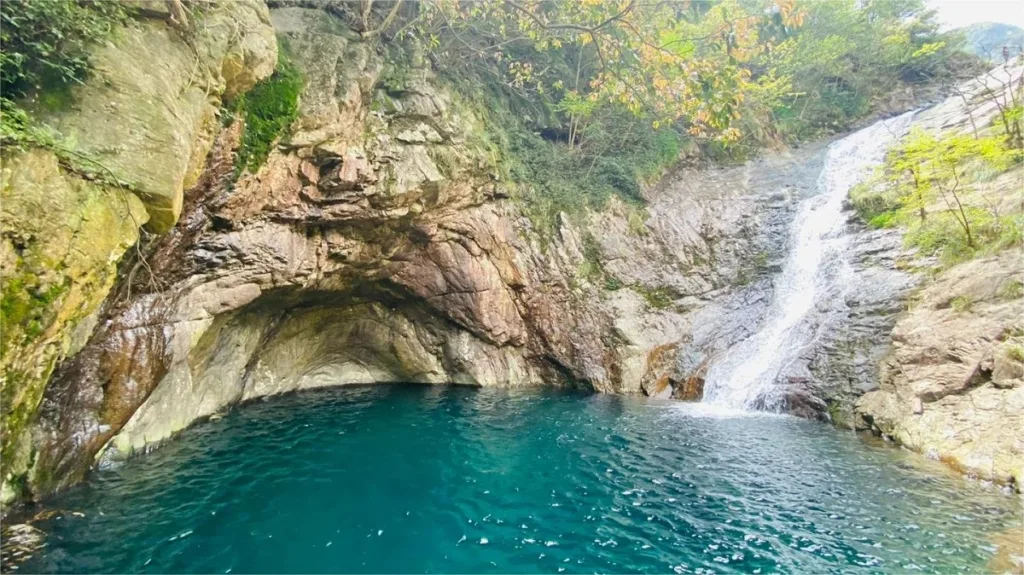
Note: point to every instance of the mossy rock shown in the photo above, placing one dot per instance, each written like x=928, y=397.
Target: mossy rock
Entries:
x=62, y=237
x=147, y=112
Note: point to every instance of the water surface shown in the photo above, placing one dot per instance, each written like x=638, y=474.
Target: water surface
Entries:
x=440, y=479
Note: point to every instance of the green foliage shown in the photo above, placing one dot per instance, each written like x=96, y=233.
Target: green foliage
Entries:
x=660, y=297
x=849, y=55
x=942, y=235
x=961, y=304
x=46, y=42
x=18, y=129
x=884, y=220
x=665, y=62
x=932, y=185
x=44, y=47
x=269, y=110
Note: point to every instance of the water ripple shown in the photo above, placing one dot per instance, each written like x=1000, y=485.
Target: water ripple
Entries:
x=419, y=479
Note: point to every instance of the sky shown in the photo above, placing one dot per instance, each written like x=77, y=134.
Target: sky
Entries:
x=957, y=13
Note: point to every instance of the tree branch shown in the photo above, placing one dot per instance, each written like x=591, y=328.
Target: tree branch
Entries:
x=387, y=21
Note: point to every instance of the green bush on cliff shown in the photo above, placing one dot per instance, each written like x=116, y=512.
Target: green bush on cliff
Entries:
x=44, y=47
x=269, y=110
x=614, y=155
x=850, y=56
x=46, y=42
x=936, y=187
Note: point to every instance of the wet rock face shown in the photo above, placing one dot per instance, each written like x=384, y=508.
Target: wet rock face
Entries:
x=746, y=234
x=855, y=322
x=97, y=390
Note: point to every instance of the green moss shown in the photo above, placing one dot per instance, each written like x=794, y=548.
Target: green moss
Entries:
x=661, y=297
x=884, y=220
x=961, y=304
x=15, y=413
x=837, y=415
x=269, y=110
x=26, y=308
x=21, y=395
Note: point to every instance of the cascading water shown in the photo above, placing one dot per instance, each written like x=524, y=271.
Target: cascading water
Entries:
x=750, y=374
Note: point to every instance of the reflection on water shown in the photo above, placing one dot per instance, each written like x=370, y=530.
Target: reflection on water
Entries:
x=428, y=479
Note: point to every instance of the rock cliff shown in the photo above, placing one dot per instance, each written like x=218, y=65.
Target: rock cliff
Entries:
x=133, y=138
x=379, y=242
x=951, y=377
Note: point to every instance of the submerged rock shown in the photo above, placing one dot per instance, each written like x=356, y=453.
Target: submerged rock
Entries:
x=21, y=542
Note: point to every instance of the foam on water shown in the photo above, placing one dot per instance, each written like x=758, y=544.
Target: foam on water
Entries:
x=749, y=375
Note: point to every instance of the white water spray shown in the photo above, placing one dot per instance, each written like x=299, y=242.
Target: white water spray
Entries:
x=749, y=375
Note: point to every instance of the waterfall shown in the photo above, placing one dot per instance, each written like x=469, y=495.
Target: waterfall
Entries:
x=750, y=374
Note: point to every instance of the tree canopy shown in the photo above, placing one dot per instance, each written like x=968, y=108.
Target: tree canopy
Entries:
x=606, y=92
x=718, y=70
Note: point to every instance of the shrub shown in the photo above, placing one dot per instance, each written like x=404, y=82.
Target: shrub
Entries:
x=637, y=223
x=661, y=297
x=1015, y=352
x=1013, y=290
x=269, y=110
x=884, y=220
x=44, y=46
x=961, y=304
x=46, y=42
x=941, y=235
